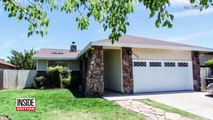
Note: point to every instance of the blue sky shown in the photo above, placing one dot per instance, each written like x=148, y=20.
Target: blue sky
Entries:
x=189, y=27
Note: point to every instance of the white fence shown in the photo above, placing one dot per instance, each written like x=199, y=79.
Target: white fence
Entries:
x=18, y=78
x=204, y=73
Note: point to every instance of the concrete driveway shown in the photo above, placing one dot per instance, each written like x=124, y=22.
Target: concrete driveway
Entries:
x=199, y=103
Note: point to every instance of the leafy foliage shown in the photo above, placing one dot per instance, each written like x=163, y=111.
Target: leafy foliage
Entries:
x=209, y=63
x=59, y=76
x=40, y=80
x=66, y=81
x=23, y=60
x=53, y=77
x=112, y=14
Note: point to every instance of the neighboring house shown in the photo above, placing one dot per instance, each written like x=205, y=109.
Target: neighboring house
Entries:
x=204, y=57
x=57, y=57
x=132, y=65
x=6, y=65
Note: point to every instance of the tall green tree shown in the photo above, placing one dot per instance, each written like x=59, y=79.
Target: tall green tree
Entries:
x=23, y=60
x=111, y=14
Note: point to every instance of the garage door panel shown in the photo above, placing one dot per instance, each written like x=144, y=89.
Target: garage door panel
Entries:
x=154, y=78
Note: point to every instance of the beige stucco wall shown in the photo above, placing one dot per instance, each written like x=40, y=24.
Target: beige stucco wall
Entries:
x=112, y=70
x=161, y=54
x=42, y=65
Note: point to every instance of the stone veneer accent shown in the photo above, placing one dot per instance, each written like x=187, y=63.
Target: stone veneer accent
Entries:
x=127, y=71
x=94, y=72
x=196, y=71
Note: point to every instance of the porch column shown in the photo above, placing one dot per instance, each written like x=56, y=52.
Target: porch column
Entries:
x=127, y=69
x=196, y=71
x=94, y=84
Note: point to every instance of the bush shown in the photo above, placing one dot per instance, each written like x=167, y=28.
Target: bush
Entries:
x=209, y=63
x=66, y=81
x=56, y=75
x=53, y=77
x=64, y=71
x=40, y=80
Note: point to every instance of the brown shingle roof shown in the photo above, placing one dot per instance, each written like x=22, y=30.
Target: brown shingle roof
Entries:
x=141, y=42
x=59, y=54
x=3, y=62
x=124, y=41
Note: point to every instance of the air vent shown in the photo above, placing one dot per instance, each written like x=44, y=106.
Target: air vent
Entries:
x=57, y=52
x=54, y=52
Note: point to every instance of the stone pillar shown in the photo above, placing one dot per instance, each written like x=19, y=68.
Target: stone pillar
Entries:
x=196, y=70
x=127, y=71
x=94, y=84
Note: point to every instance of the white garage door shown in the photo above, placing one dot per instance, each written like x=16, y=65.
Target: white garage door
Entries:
x=153, y=76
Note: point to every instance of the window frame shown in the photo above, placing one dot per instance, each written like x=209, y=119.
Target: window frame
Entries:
x=58, y=63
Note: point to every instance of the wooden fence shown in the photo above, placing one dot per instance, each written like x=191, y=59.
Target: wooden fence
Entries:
x=17, y=78
x=1, y=79
x=204, y=73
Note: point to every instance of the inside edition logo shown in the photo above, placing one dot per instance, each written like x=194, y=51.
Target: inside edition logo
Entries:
x=25, y=104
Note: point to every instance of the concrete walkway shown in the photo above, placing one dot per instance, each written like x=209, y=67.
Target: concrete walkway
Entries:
x=199, y=103
x=149, y=112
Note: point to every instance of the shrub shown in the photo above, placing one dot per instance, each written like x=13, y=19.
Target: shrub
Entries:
x=209, y=63
x=64, y=71
x=56, y=75
x=53, y=77
x=66, y=81
x=40, y=80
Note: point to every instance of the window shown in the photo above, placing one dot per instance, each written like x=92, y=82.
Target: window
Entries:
x=54, y=63
x=182, y=64
x=155, y=64
x=169, y=64
x=57, y=52
x=139, y=64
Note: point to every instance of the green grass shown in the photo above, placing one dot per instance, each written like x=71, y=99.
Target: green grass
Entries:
x=171, y=109
x=61, y=104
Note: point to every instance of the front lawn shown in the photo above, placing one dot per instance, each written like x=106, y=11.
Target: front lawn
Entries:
x=171, y=109
x=61, y=104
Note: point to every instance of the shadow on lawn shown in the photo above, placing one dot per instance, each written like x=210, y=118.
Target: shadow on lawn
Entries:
x=75, y=92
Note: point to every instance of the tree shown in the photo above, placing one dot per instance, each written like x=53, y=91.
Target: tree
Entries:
x=23, y=61
x=112, y=14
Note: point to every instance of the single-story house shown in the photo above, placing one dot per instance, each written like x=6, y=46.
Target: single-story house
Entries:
x=6, y=65
x=131, y=65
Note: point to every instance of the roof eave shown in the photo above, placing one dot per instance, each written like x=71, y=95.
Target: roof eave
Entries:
x=156, y=47
x=53, y=58
x=84, y=50
x=8, y=65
